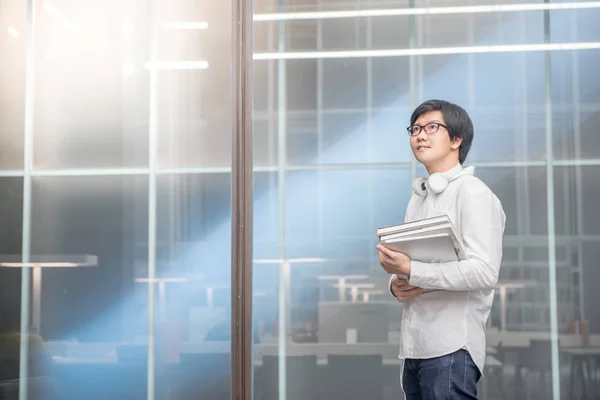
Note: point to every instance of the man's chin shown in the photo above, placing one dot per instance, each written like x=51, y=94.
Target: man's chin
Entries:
x=423, y=159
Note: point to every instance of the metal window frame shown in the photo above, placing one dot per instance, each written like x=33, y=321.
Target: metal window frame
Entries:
x=241, y=201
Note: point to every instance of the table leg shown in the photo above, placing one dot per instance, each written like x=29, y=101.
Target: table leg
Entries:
x=572, y=378
x=587, y=378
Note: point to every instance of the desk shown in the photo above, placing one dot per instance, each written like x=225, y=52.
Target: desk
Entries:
x=582, y=364
x=503, y=288
x=81, y=376
x=582, y=359
x=37, y=262
x=388, y=352
x=519, y=339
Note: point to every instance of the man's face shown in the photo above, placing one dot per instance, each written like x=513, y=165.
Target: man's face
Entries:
x=436, y=148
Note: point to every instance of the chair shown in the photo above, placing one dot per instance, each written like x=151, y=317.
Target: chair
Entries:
x=537, y=358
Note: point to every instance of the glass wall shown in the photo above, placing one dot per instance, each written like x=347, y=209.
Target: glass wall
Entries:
x=335, y=84
x=115, y=217
x=115, y=176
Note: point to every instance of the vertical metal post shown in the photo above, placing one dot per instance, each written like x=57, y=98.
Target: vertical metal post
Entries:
x=578, y=169
x=281, y=174
x=152, y=163
x=241, y=201
x=27, y=169
x=413, y=78
x=320, y=183
x=370, y=139
x=551, y=222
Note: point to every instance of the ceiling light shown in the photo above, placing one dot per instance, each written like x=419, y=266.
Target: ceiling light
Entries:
x=307, y=55
x=314, y=15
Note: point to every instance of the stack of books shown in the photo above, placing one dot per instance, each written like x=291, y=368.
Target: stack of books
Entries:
x=430, y=240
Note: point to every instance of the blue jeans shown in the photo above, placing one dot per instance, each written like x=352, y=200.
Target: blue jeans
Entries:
x=453, y=377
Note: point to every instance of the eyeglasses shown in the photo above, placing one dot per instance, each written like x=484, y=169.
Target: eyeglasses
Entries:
x=429, y=129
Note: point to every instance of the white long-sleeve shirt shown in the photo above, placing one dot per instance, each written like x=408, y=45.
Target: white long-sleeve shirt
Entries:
x=441, y=322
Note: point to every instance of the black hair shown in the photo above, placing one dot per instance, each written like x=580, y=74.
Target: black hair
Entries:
x=457, y=119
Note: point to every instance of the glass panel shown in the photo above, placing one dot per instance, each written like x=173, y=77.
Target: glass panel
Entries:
x=344, y=84
x=13, y=33
x=577, y=188
x=194, y=104
x=265, y=142
x=576, y=114
x=506, y=106
x=11, y=229
x=321, y=244
x=344, y=123
x=91, y=96
x=589, y=186
x=83, y=52
x=193, y=320
x=117, y=312
x=93, y=318
x=575, y=91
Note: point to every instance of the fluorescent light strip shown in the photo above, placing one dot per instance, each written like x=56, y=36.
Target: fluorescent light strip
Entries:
x=126, y=171
x=13, y=32
x=307, y=55
x=178, y=65
x=593, y=162
x=313, y=15
x=183, y=25
x=90, y=172
x=55, y=261
x=31, y=264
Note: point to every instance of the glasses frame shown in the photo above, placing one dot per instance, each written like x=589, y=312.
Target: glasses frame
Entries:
x=421, y=127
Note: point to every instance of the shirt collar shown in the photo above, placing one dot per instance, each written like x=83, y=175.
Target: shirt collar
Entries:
x=458, y=171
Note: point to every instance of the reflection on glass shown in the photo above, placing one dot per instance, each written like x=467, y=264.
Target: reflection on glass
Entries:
x=12, y=81
x=85, y=328
x=129, y=248
x=11, y=225
x=89, y=88
x=346, y=169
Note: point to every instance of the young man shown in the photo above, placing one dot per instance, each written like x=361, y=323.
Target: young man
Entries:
x=443, y=331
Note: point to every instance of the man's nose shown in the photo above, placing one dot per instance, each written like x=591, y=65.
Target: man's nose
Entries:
x=421, y=135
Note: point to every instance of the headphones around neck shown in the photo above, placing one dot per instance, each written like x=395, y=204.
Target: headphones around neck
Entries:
x=438, y=181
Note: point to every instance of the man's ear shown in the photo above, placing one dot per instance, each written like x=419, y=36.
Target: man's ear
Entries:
x=456, y=142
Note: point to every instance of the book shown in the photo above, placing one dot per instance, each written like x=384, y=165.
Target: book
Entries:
x=404, y=227
x=432, y=248
x=440, y=228
x=430, y=240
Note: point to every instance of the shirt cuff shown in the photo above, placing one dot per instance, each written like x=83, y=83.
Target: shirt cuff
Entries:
x=420, y=274
x=390, y=286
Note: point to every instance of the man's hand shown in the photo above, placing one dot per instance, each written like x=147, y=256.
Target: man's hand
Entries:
x=393, y=262
x=402, y=290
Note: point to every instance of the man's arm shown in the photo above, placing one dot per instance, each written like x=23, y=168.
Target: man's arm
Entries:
x=482, y=226
x=401, y=290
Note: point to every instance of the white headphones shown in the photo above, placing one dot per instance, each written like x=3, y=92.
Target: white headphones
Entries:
x=438, y=181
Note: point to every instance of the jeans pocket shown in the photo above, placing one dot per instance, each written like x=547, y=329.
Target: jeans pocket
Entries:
x=471, y=374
